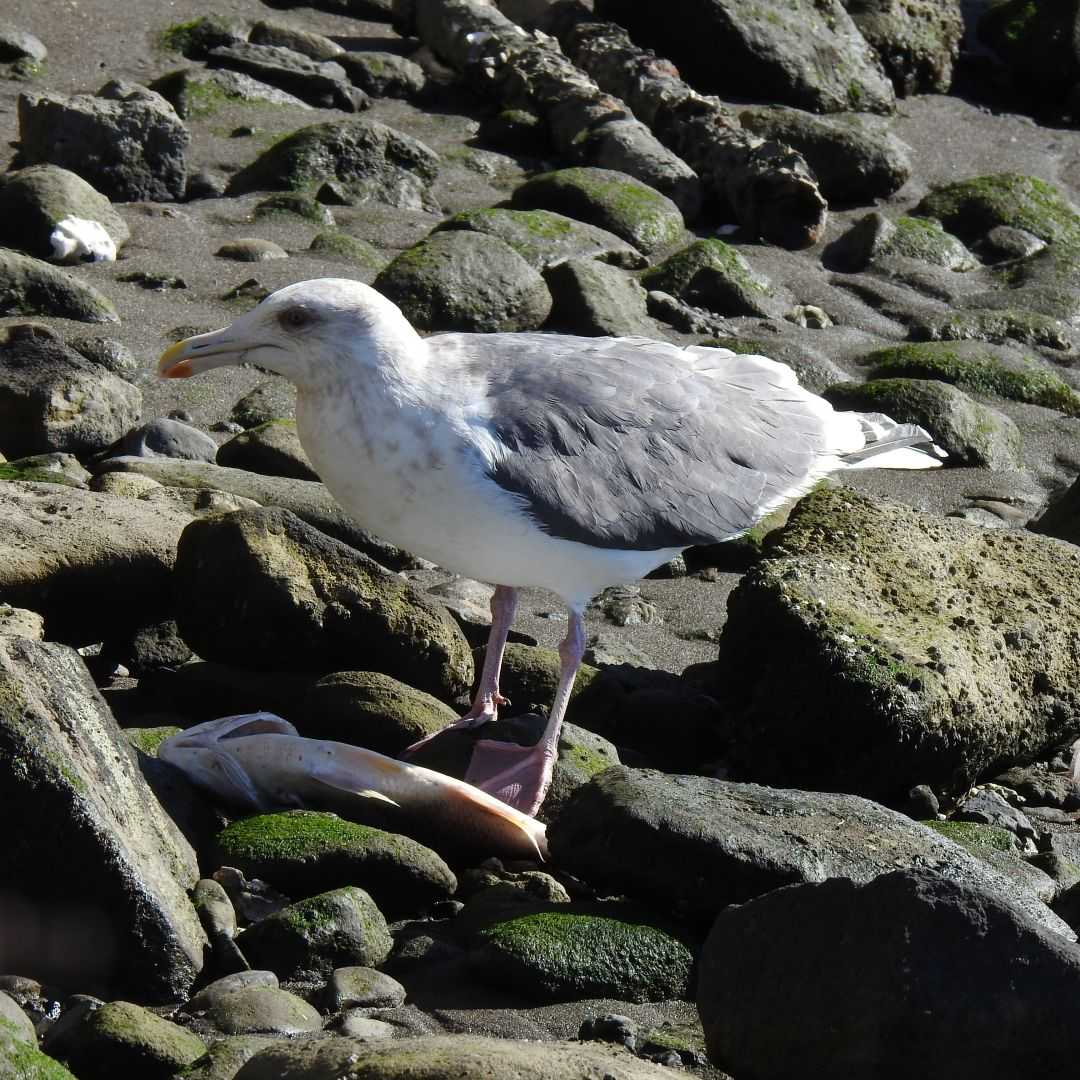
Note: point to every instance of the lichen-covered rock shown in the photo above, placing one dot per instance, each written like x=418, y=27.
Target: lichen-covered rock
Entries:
x=34, y=200
x=264, y=590
x=977, y=368
x=810, y=55
x=565, y=956
x=29, y=286
x=855, y=157
x=272, y=448
x=876, y=647
x=302, y=852
x=226, y=1054
x=970, y=433
x=123, y=1038
x=996, y=326
x=126, y=140
x=21, y=622
x=70, y=783
x=836, y=980
x=714, y=275
x=875, y=241
x=593, y=299
x=692, y=844
x=373, y=710
x=609, y=199
x=466, y=281
x=543, y=238
x=334, y=929
x=370, y=162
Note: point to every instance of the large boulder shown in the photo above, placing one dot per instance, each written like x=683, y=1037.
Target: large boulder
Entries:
x=910, y=975
x=261, y=589
x=95, y=871
x=126, y=140
x=29, y=286
x=876, y=647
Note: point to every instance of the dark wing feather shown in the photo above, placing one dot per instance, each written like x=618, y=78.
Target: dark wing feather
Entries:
x=629, y=443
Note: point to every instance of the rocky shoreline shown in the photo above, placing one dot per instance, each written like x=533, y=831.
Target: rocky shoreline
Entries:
x=813, y=811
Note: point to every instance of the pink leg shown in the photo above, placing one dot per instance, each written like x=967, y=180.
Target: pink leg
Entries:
x=521, y=775
x=486, y=702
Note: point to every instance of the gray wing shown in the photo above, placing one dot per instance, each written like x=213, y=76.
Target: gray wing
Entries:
x=636, y=444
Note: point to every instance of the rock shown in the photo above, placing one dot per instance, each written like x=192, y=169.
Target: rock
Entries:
x=53, y=399
x=123, y=1038
x=373, y=710
x=976, y=367
x=251, y=249
x=70, y=783
x=715, y=276
x=465, y=1057
x=264, y=590
x=345, y=248
x=196, y=93
x=303, y=852
x=355, y=1023
x=877, y=242
x=855, y=157
x=334, y=929
x=14, y=1023
x=635, y=831
x=989, y=808
x=271, y=448
x=610, y=200
x=370, y=162
x=254, y=1010
x=166, y=438
x=545, y=239
x=306, y=42
x=267, y=401
x=46, y=469
x=565, y=956
x=591, y=298
x=971, y=434
x=36, y=200
x=19, y=1059
x=294, y=203
x=384, y=74
x=466, y=281
x=225, y=1056
x=810, y=55
x=1000, y=326
x=108, y=353
x=198, y=36
x=362, y=987
x=93, y=565
x=29, y=286
x=20, y=45
x=956, y=663
x=917, y=43
x=320, y=83
x=1040, y=786
x=211, y=995
x=835, y=979
x=515, y=131
x=218, y=918
x=126, y=141
x=21, y=622
x=147, y=648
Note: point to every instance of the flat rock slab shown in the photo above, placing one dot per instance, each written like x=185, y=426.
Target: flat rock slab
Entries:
x=876, y=648
x=111, y=912
x=910, y=975
x=696, y=844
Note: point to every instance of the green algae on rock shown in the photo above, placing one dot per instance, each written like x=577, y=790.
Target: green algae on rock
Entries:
x=565, y=956
x=148, y=739
x=978, y=839
x=351, y=249
x=22, y=1060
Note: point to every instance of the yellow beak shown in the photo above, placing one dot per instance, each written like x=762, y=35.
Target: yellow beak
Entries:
x=173, y=364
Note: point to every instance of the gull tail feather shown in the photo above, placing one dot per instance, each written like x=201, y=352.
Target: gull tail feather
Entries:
x=890, y=445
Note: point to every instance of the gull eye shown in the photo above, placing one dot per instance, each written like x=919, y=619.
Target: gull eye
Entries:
x=294, y=318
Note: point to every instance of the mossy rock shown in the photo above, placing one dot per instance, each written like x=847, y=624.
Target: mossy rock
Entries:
x=148, y=739
x=22, y=1060
x=124, y=1039
x=294, y=204
x=63, y=469
x=609, y=199
x=196, y=37
x=974, y=369
x=978, y=839
x=345, y=248
x=29, y=286
x=997, y=327
x=714, y=275
x=302, y=852
x=971, y=433
x=560, y=956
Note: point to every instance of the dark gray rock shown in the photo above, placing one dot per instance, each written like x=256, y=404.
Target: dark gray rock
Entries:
x=692, y=844
x=307, y=42
x=29, y=286
x=264, y=590
x=127, y=141
x=211, y=994
x=271, y=448
x=855, y=157
x=593, y=299
x=20, y=45
x=384, y=74
x=466, y=281
x=169, y=439
x=877, y=242
x=196, y=93
x=839, y=980
x=810, y=55
x=362, y=987
x=320, y=83
x=251, y=249
x=956, y=663
x=1040, y=785
x=609, y=199
x=255, y=1010
x=195, y=38
x=989, y=808
x=33, y=201
x=335, y=929
x=70, y=784
x=108, y=353
x=369, y=161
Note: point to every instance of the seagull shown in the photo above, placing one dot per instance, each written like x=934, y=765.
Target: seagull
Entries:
x=536, y=459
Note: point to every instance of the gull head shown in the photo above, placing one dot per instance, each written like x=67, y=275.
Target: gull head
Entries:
x=311, y=332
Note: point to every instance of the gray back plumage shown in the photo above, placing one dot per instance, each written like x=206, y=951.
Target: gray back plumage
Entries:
x=636, y=444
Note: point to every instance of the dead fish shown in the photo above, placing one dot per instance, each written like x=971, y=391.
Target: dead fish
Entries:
x=260, y=762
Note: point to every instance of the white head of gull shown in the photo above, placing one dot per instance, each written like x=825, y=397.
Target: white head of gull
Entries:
x=538, y=459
